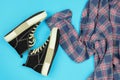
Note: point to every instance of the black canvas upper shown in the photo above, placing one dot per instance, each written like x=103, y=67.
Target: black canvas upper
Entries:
x=35, y=61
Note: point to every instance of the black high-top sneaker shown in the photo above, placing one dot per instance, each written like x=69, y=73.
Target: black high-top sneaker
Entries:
x=41, y=59
x=22, y=37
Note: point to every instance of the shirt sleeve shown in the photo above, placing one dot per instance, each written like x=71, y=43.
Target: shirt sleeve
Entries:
x=78, y=48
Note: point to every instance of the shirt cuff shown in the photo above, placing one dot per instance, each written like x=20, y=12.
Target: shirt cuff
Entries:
x=57, y=18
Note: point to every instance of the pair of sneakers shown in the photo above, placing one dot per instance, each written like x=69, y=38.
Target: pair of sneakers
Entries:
x=22, y=38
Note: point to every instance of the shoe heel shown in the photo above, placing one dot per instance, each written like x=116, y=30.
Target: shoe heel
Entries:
x=39, y=17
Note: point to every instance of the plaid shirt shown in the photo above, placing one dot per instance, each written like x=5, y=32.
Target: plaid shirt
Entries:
x=100, y=36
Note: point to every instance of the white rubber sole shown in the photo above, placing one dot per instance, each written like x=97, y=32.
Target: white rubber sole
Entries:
x=50, y=52
x=25, y=25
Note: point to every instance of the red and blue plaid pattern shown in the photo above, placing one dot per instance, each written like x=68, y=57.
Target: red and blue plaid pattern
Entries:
x=100, y=36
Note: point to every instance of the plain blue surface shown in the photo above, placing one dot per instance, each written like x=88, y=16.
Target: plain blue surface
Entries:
x=13, y=12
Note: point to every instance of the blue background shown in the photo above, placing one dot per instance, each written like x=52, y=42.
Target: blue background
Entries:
x=13, y=12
